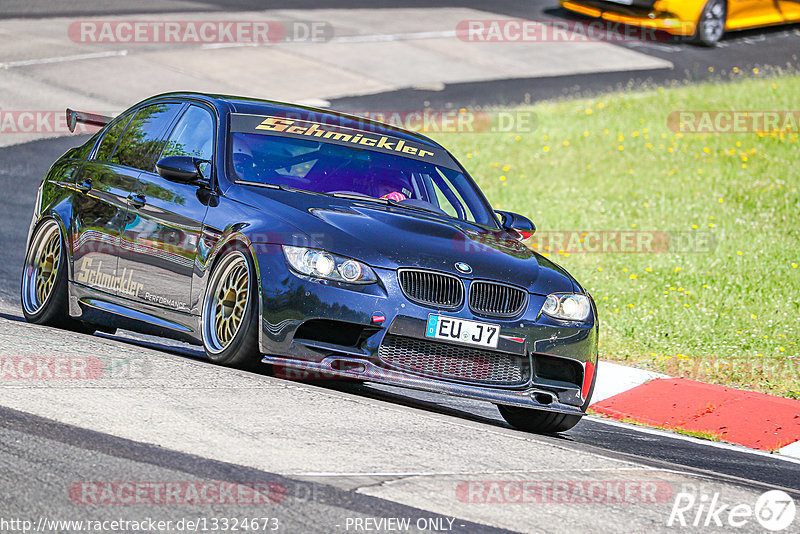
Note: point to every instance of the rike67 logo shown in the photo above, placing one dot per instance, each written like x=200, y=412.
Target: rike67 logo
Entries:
x=774, y=510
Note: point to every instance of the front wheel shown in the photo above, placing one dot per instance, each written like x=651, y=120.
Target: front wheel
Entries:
x=711, y=24
x=230, y=312
x=538, y=421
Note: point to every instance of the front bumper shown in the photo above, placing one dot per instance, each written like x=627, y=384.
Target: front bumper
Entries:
x=321, y=330
x=641, y=17
x=341, y=366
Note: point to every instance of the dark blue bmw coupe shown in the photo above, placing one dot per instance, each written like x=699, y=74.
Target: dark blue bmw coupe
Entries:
x=313, y=241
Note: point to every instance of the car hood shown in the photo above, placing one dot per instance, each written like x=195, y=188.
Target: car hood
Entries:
x=390, y=237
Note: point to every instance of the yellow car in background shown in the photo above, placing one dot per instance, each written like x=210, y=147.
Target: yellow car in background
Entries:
x=704, y=20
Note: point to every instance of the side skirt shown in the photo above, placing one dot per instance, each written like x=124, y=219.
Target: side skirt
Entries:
x=101, y=308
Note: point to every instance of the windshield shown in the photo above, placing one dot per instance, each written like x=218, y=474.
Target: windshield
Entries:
x=329, y=168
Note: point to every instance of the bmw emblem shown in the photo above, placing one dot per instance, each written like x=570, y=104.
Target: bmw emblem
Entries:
x=463, y=267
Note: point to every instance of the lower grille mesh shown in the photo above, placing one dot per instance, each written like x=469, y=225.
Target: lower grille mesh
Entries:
x=451, y=361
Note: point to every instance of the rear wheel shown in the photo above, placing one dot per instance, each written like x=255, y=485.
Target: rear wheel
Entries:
x=230, y=316
x=538, y=421
x=711, y=24
x=44, y=291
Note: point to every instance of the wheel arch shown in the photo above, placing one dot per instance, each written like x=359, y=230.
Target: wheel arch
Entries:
x=62, y=228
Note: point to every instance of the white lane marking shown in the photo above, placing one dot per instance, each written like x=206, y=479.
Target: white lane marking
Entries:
x=61, y=59
x=613, y=379
x=395, y=36
x=792, y=450
x=214, y=46
x=698, y=441
x=461, y=473
x=350, y=39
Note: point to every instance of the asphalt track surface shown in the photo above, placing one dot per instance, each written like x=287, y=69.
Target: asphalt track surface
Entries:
x=39, y=456
x=769, y=49
x=48, y=455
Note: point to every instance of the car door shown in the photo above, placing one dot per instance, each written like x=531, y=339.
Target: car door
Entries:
x=166, y=218
x=748, y=13
x=99, y=207
x=790, y=9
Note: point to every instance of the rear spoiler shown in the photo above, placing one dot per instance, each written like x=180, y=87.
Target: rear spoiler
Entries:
x=84, y=117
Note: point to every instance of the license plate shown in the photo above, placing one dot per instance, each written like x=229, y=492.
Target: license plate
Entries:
x=462, y=331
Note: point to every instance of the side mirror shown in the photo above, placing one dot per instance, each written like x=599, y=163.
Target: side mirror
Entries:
x=515, y=221
x=181, y=169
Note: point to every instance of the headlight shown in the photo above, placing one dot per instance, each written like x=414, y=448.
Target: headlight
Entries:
x=567, y=306
x=321, y=264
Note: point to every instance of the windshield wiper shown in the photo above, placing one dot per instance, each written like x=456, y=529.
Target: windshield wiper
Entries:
x=388, y=202
x=353, y=196
x=416, y=208
x=280, y=187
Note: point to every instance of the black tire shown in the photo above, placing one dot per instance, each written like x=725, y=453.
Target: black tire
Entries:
x=238, y=348
x=711, y=24
x=538, y=421
x=49, y=308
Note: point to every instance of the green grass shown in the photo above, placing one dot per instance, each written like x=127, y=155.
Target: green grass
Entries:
x=727, y=315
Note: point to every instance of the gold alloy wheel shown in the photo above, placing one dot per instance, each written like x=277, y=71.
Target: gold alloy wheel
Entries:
x=226, y=302
x=41, y=267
